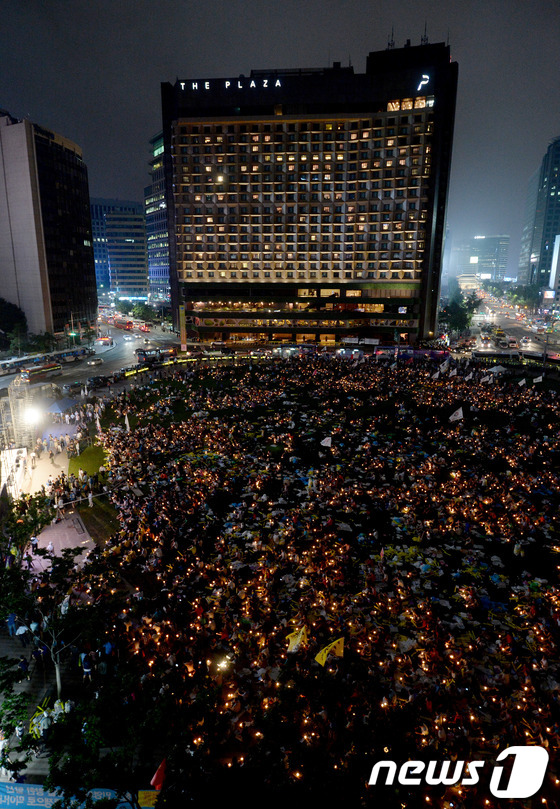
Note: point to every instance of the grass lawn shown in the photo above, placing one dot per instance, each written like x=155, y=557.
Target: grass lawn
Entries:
x=90, y=460
x=101, y=520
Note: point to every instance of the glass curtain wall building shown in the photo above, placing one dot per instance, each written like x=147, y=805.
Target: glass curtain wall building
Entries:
x=155, y=208
x=310, y=204
x=119, y=244
x=542, y=220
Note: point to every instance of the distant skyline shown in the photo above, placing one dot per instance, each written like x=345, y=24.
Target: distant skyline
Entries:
x=92, y=72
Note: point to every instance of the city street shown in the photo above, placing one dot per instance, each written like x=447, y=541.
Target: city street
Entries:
x=120, y=355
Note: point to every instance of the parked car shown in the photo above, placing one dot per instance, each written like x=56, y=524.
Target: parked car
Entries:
x=95, y=361
x=96, y=382
x=72, y=388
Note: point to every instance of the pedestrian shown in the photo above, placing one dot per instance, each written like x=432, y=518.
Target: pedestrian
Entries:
x=11, y=622
x=90, y=498
x=51, y=456
x=87, y=666
x=34, y=543
x=33, y=459
x=21, y=633
x=50, y=548
x=23, y=665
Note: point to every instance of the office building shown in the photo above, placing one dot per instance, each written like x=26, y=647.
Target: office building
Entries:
x=126, y=261
x=127, y=254
x=484, y=256
x=46, y=255
x=310, y=203
x=155, y=208
x=542, y=220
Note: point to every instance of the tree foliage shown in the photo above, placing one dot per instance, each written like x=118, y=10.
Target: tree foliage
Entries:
x=11, y=316
x=144, y=312
x=526, y=296
x=459, y=310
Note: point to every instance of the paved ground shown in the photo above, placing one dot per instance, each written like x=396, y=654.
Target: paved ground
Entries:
x=69, y=532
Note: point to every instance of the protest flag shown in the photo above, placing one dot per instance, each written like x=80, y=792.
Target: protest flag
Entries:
x=457, y=415
x=159, y=776
x=295, y=639
x=336, y=647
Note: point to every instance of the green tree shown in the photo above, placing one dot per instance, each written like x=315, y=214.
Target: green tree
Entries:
x=458, y=312
x=88, y=336
x=527, y=296
x=143, y=311
x=38, y=343
x=11, y=316
x=498, y=289
x=18, y=339
x=123, y=307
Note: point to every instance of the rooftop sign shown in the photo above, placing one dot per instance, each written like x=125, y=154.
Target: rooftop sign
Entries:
x=236, y=84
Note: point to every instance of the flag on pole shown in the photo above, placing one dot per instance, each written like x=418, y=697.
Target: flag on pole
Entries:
x=453, y=373
x=99, y=430
x=295, y=639
x=469, y=377
x=394, y=365
x=444, y=366
x=382, y=554
x=127, y=423
x=457, y=415
x=537, y=379
x=486, y=378
x=436, y=375
x=336, y=647
x=326, y=442
x=159, y=776
x=522, y=382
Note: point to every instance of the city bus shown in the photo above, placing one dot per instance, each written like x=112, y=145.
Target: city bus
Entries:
x=123, y=323
x=150, y=355
x=41, y=372
x=17, y=364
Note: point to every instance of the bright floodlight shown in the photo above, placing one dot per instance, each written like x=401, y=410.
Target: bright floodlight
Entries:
x=32, y=415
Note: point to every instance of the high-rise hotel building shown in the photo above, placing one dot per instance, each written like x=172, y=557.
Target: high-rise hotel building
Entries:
x=310, y=204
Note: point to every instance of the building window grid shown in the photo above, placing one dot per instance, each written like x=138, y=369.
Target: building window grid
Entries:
x=410, y=166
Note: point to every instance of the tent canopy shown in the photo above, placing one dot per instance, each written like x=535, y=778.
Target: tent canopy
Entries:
x=61, y=405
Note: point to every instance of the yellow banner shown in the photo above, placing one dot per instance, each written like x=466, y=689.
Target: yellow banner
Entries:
x=295, y=639
x=183, y=327
x=336, y=647
x=147, y=798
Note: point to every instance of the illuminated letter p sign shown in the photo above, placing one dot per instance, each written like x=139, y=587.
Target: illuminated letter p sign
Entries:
x=527, y=774
x=425, y=80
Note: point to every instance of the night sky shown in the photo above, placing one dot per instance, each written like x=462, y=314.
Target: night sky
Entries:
x=91, y=70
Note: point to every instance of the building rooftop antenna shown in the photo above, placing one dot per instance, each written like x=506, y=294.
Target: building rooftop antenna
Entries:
x=391, y=41
x=424, y=40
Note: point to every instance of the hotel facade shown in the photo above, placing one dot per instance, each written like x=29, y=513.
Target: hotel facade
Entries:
x=310, y=204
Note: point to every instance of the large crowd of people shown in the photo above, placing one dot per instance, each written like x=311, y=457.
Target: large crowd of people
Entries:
x=407, y=509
